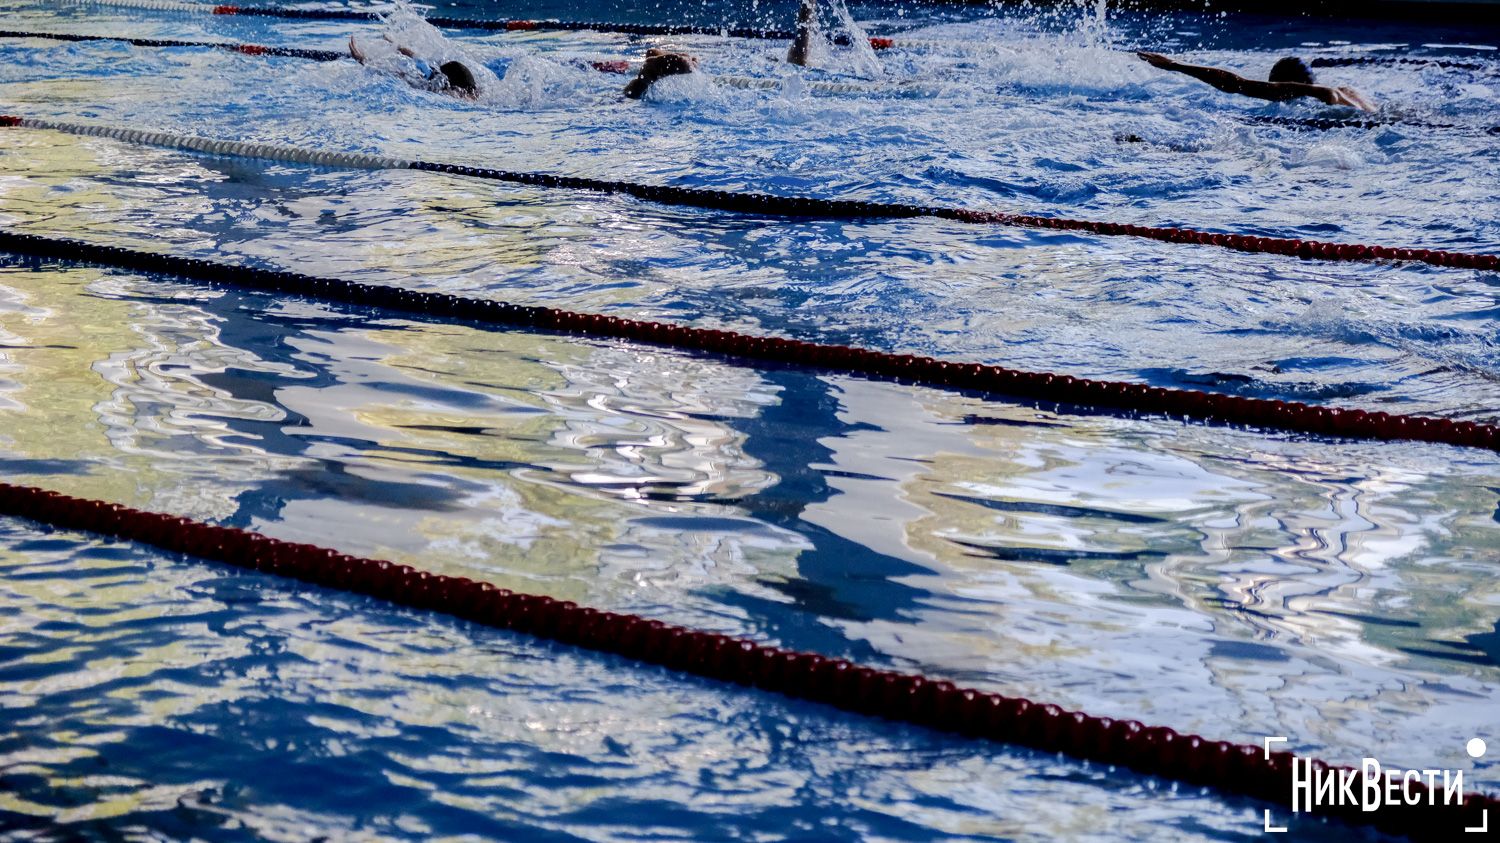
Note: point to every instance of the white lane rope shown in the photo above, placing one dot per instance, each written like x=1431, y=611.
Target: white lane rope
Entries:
x=211, y=146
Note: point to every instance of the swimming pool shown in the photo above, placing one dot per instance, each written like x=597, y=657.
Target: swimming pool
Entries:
x=1236, y=583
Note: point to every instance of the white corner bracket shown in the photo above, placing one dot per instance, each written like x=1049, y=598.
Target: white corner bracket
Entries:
x=1272, y=829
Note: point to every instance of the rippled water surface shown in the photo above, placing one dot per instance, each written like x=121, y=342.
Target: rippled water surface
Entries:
x=1229, y=582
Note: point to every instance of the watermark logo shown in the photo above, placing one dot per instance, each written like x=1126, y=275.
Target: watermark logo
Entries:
x=1369, y=787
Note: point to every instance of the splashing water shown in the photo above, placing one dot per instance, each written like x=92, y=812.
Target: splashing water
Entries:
x=410, y=48
x=1094, y=28
x=842, y=45
x=861, y=55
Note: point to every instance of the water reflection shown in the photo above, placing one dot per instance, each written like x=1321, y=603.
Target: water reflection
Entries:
x=176, y=700
x=1090, y=560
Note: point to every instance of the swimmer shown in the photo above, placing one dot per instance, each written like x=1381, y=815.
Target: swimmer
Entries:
x=663, y=63
x=659, y=64
x=455, y=78
x=451, y=77
x=1290, y=79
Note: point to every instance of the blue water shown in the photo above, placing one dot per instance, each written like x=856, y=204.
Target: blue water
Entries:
x=1234, y=583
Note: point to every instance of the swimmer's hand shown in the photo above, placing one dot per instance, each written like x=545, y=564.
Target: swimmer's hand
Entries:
x=1156, y=60
x=1350, y=97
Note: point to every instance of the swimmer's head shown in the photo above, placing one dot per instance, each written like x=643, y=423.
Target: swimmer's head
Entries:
x=460, y=79
x=1291, y=69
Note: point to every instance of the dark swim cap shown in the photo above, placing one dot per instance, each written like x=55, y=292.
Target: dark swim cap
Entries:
x=460, y=78
x=1291, y=69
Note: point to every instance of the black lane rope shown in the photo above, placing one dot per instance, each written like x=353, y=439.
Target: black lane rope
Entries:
x=1328, y=123
x=1239, y=769
x=1362, y=61
x=993, y=380
x=768, y=205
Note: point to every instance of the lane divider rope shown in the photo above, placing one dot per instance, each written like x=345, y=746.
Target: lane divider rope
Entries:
x=1360, y=61
x=492, y=25
x=192, y=143
x=453, y=22
x=997, y=381
x=1327, y=123
x=1229, y=768
x=765, y=204
x=246, y=49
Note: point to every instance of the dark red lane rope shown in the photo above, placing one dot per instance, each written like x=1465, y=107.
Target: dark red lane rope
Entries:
x=247, y=49
x=996, y=380
x=752, y=33
x=1155, y=751
x=513, y=25
x=1291, y=247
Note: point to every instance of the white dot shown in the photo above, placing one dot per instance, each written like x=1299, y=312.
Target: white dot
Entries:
x=1476, y=748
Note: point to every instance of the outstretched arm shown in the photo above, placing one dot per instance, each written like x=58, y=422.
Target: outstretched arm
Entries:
x=1233, y=83
x=807, y=27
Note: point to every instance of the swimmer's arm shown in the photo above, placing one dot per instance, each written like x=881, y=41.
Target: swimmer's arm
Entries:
x=638, y=86
x=650, y=72
x=1231, y=83
x=659, y=63
x=355, y=51
x=807, y=24
x=1322, y=93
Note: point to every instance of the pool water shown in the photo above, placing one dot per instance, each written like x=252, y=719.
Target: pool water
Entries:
x=1234, y=583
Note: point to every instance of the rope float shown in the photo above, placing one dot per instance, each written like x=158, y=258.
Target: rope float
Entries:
x=765, y=204
x=911, y=698
x=994, y=380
